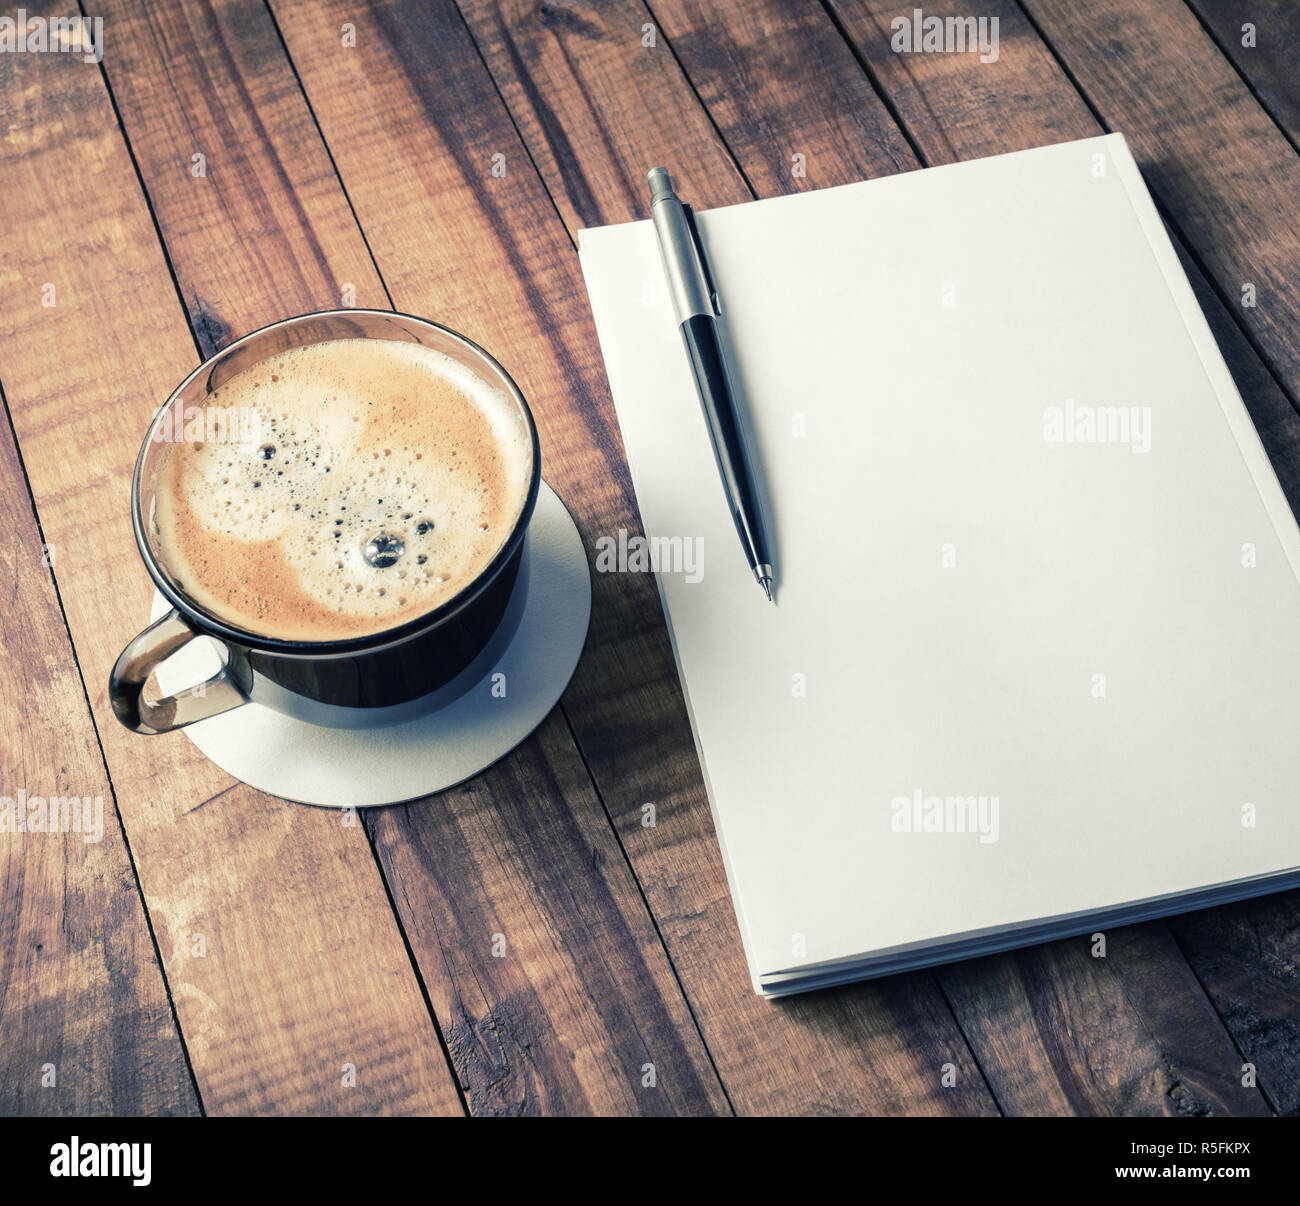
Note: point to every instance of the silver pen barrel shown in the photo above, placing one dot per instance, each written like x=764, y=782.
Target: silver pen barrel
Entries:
x=686, y=279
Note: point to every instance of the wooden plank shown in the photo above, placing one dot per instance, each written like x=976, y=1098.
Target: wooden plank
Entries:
x=597, y=107
x=489, y=255
x=1029, y=102
x=584, y=995
x=821, y=116
x=952, y=106
x=267, y=231
x=1114, y=1043
x=1248, y=956
x=87, y=1022
x=1261, y=39
x=582, y=1008
x=301, y=967
x=1224, y=172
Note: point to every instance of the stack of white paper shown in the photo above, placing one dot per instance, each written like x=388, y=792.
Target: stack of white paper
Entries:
x=1035, y=661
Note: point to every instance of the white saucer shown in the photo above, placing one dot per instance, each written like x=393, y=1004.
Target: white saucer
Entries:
x=396, y=762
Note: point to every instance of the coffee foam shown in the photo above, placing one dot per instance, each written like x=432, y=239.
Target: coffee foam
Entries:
x=384, y=477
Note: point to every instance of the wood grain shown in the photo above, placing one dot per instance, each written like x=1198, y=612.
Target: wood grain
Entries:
x=1224, y=172
x=568, y=51
x=579, y=1014
x=302, y=969
x=778, y=82
x=490, y=256
x=87, y=1022
x=1248, y=957
x=267, y=232
x=583, y=994
x=1261, y=39
x=1128, y=1033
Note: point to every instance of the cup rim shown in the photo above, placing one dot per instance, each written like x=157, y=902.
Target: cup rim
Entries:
x=214, y=626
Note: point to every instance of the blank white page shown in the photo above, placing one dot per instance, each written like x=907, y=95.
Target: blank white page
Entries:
x=951, y=581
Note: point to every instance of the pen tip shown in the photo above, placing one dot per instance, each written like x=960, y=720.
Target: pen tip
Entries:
x=766, y=584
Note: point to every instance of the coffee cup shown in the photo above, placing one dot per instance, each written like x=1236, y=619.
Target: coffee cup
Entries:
x=349, y=537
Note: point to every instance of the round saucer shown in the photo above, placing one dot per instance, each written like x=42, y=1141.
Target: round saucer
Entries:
x=499, y=700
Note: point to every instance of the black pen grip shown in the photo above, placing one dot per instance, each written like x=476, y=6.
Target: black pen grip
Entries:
x=701, y=339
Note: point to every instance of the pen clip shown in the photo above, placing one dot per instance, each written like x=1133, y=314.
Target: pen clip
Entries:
x=704, y=259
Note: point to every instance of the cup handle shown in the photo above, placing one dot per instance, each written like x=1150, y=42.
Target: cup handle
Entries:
x=139, y=660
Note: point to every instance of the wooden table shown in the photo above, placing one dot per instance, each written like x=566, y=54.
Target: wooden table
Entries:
x=232, y=162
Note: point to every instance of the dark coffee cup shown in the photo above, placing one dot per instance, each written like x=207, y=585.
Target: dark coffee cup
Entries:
x=354, y=682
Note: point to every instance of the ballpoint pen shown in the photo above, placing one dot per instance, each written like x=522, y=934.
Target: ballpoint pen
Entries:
x=695, y=300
